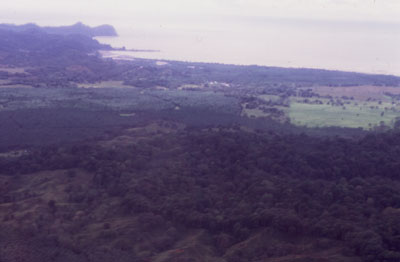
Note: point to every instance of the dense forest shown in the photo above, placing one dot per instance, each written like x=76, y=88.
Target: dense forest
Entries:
x=239, y=195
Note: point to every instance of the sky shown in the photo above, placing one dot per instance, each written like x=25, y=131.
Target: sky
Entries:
x=55, y=12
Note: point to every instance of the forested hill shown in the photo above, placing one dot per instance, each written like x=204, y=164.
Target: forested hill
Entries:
x=36, y=48
x=40, y=41
x=78, y=28
x=166, y=193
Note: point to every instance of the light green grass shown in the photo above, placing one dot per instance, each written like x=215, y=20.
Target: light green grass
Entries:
x=127, y=114
x=356, y=114
x=105, y=84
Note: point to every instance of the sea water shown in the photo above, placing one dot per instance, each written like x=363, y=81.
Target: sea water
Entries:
x=357, y=46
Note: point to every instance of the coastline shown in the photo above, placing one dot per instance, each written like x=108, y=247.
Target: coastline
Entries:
x=134, y=50
x=133, y=54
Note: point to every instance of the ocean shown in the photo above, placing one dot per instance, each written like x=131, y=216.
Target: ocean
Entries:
x=356, y=46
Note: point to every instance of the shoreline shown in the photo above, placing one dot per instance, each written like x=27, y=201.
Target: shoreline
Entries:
x=130, y=57
x=134, y=50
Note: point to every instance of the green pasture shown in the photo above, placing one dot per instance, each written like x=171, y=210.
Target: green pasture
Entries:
x=354, y=114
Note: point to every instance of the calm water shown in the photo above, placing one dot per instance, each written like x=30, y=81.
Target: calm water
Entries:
x=360, y=47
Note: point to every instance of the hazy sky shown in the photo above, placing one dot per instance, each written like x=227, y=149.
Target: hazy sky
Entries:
x=92, y=11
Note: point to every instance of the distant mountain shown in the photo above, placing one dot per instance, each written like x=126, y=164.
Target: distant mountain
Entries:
x=34, y=47
x=78, y=28
x=35, y=40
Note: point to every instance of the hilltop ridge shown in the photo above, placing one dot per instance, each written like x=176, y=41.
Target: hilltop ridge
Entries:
x=77, y=28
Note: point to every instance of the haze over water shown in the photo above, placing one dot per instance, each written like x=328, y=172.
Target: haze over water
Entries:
x=357, y=46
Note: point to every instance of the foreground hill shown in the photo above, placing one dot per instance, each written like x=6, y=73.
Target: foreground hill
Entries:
x=164, y=192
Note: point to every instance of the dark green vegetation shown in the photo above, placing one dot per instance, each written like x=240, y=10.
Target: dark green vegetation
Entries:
x=42, y=116
x=104, y=160
x=162, y=192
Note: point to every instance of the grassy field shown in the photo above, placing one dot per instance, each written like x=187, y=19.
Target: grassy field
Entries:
x=364, y=107
x=105, y=84
x=355, y=114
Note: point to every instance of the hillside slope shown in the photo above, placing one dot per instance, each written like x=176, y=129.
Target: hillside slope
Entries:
x=162, y=192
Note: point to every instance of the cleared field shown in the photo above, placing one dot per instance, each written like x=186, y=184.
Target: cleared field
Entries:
x=190, y=87
x=127, y=114
x=365, y=114
x=357, y=92
x=105, y=84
